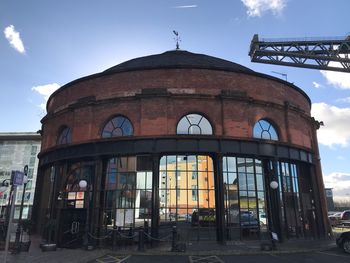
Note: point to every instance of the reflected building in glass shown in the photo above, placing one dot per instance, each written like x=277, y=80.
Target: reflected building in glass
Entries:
x=180, y=139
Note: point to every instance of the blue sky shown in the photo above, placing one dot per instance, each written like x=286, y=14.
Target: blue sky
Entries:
x=45, y=43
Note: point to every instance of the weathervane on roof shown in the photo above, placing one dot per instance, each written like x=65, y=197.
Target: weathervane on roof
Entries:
x=177, y=39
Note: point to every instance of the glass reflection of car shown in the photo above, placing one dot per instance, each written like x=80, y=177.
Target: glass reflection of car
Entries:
x=203, y=217
x=262, y=219
x=335, y=218
x=247, y=220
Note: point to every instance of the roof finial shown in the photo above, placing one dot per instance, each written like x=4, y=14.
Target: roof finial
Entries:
x=177, y=39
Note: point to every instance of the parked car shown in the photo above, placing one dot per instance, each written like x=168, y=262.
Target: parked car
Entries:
x=345, y=217
x=248, y=220
x=334, y=218
x=204, y=216
x=262, y=219
x=343, y=241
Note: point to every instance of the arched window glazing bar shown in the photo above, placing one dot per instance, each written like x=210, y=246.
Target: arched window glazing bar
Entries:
x=117, y=126
x=194, y=124
x=263, y=129
x=65, y=136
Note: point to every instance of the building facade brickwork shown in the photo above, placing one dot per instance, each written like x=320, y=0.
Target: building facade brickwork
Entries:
x=183, y=108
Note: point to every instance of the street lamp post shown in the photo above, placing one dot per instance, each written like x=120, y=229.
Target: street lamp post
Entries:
x=84, y=184
x=18, y=231
x=274, y=208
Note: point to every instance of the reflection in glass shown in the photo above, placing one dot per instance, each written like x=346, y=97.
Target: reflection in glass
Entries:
x=264, y=130
x=65, y=136
x=128, y=196
x=118, y=126
x=192, y=196
x=244, y=198
x=194, y=124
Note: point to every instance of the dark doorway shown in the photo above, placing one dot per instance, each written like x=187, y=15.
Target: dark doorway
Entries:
x=72, y=227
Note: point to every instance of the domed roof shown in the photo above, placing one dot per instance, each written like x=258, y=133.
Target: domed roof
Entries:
x=178, y=59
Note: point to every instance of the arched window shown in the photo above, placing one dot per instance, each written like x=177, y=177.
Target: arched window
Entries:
x=194, y=124
x=264, y=130
x=118, y=126
x=65, y=135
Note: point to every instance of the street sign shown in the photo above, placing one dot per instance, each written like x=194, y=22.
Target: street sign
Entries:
x=17, y=177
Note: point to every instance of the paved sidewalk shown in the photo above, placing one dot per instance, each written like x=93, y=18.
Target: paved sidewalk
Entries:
x=203, y=248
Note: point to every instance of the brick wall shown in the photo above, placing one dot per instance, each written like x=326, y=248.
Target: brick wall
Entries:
x=232, y=102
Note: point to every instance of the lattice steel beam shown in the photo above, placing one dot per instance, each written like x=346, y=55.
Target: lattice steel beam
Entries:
x=325, y=54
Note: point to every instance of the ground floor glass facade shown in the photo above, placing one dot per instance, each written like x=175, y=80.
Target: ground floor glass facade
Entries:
x=159, y=192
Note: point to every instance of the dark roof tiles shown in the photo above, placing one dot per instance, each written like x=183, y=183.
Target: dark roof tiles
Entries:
x=178, y=59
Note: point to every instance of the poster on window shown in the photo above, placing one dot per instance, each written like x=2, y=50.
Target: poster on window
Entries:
x=80, y=195
x=129, y=216
x=79, y=204
x=71, y=196
x=120, y=217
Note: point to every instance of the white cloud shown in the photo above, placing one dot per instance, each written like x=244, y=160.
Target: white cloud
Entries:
x=185, y=6
x=258, y=7
x=14, y=38
x=337, y=79
x=46, y=91
x=316, y=85
x=340, y=182
x=336, y=124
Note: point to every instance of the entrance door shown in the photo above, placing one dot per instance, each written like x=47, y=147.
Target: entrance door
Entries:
x=72, y=227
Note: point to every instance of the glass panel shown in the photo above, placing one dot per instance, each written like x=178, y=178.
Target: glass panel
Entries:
x=181, y=163
x=264, y=130
x=65, y=136
x=258, y=168
x=242, y=181
x=241, y=164
x=249, y=165
x=194, y=129
x=118, y=126
x=194, y=124
x=149, y=177
x=191, y=163
x=265, y=135
x=259, y=182
x=194, y=118
x=182, y=126
x=231, y=163
x=250, y=182
x=205, y=127
x=117, y=121
x=193, y=191
x=232, y=178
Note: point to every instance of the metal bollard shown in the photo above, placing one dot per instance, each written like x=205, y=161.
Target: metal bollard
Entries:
x=130, y=239
x=114, y=238
x=174, y=239
x=141, y=246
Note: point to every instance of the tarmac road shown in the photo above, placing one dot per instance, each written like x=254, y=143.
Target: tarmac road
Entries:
x=329, y=256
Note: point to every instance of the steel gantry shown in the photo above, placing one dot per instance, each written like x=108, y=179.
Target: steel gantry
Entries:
x=315, y=53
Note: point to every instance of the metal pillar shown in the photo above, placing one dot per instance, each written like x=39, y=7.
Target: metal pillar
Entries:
x=155, y=196
x=219, y=199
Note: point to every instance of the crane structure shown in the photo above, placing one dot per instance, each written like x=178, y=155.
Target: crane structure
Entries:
x=314, y=53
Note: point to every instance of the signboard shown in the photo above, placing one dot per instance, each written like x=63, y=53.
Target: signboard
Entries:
x=71, y=196
x=80, y=195
x=17, y=178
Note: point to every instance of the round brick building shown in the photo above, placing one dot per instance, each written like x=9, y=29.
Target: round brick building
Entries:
x=179, y=139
